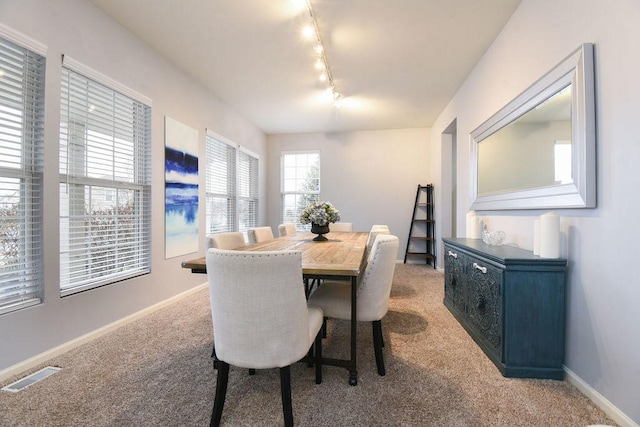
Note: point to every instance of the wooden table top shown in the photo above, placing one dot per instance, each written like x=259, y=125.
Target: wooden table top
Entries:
x=341, y=255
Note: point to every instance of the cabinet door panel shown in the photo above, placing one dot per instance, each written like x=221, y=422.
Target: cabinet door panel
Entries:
x=454, y=279
x=484, y=304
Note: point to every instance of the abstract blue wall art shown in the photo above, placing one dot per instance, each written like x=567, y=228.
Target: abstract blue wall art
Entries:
x=181, y=189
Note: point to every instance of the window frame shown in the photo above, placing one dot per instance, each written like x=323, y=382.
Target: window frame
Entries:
x=248, y=189
x=118, y=138
x=23, y=286
x=240, y=189
x=310, y=195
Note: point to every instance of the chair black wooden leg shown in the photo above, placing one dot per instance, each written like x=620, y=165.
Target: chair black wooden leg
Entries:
x=285, y=388
x=318, y=357
x=310, y=357
x=324, y=327
x=377, y=346
x=307, y=288
x=215, y=359
x=221, y=392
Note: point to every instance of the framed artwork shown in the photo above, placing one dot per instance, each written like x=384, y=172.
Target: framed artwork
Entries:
x=180, y=188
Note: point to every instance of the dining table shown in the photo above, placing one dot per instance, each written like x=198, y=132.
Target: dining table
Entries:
x=340, y=257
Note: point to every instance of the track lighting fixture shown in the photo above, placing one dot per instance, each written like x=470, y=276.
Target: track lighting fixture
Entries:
x=311, y=31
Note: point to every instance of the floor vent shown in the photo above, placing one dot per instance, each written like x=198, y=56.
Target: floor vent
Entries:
x=25, y=382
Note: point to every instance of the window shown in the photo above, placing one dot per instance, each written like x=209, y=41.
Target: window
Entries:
x=562, y=161
x=22, y=73
x=300, y=185
x=105, y=175
x=247, y=190
x=232, y=186
x=221, y=186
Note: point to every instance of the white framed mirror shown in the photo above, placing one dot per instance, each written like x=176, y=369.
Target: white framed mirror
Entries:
x=538, y=151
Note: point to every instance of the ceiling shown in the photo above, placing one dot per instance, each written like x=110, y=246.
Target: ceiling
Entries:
x=396, y=63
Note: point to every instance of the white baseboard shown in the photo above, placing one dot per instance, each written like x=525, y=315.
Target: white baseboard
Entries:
x=602, y=402
x=63, y=348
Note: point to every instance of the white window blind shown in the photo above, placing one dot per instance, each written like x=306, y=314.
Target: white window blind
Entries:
x=22, y=75
x=232, y=186
x=247, y=190
x=220, y=186
x=105, y=176
x=300, y=185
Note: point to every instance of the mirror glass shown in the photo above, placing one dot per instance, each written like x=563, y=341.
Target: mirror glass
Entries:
x=539, y=150
x=533, y=151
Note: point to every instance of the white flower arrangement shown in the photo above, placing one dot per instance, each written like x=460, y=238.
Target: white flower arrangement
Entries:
x=320, y=213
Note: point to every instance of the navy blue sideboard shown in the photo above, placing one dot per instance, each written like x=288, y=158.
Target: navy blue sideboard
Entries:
x=511, y=302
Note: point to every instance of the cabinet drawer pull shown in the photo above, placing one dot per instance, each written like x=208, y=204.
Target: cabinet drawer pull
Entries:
x=483, y=269
x=454, y=255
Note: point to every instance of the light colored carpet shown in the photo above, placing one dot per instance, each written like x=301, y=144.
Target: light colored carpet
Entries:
x=157, y=371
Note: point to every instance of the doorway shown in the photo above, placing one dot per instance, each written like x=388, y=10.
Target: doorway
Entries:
x=449, y=180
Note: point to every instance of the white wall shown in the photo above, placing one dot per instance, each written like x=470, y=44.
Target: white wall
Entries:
x=77, y=29
x=603, y=296
x=371, y=177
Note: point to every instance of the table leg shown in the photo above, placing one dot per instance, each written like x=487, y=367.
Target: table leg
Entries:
x=353, y=369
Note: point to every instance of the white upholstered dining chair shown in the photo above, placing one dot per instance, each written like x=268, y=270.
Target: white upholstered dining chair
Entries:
x=341, y=226
x=259, y=234
x=375, y=231
x=287, y=229
x=260, y=317
x=373, y=293
x=226, y=240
